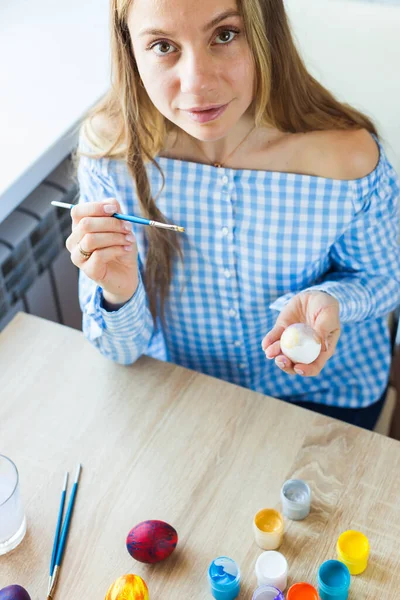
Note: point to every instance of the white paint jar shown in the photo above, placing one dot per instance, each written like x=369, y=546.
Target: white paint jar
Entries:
x=272, y=569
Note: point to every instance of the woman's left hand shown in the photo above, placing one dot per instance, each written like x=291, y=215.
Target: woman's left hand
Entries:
x=316, y=309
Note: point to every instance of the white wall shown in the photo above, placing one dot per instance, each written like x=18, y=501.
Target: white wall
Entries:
x=353, y=48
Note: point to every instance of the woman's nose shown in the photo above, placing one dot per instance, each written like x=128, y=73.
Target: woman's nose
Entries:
x=197, y=74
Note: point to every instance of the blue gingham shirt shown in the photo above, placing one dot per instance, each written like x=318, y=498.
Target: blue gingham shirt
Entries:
x=253, y=239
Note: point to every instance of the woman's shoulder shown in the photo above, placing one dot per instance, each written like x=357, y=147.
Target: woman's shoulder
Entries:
x=104, y=125
x=342, y=155
x=97, y=134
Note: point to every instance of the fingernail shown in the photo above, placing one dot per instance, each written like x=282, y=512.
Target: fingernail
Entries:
x=130, y=238
x=281, y=362
x=109, y=209
x=326, y=345
x=267, y=354
x=127, y=226
x=298, y=371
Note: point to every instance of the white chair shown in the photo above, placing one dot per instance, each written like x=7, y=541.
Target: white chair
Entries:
x=353, y=48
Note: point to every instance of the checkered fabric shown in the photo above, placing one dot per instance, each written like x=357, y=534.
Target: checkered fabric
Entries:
x=254, y=239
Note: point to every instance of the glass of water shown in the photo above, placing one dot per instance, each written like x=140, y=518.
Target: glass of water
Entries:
x=12, y=517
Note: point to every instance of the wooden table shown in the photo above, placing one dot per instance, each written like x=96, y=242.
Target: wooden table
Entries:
x=161, y=442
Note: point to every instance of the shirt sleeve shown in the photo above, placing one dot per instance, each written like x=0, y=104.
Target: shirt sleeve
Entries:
x=125, y=334
x=365, y=261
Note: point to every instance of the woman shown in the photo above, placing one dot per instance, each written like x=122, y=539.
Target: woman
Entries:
x=287, y=198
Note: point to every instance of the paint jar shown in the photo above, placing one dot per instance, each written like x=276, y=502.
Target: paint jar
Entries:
x=272, y=569
x=296, y=499
x=268, y=592
x=353, y=550
x=333, y=580
x=268, y=528
x=224, y=578
x=302, y=591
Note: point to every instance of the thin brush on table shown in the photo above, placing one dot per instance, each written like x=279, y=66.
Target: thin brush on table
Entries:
x=129, y=218
x=64, y=534
x=58, y=529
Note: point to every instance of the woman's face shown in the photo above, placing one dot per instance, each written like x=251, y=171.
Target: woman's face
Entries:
x=193, y=55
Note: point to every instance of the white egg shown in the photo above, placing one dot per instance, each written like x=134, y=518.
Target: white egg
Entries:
x=300, y=344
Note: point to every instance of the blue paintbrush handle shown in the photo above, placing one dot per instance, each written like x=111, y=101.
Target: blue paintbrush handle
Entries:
x=68, y=516
x=131, y=219
x=58, y=527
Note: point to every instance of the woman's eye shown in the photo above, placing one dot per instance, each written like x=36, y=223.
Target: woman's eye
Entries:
x=226, y=36
x=162, y=48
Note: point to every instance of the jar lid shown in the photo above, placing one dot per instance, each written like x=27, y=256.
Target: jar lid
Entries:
x=223, y=573
x=268, y=520
x=302, y=591
x=296, y=493
x=272, y=569
x=267, y=592
x=333, y=576
x=353, y=546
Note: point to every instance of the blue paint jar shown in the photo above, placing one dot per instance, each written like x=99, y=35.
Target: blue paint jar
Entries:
x=333, y=580
x=224, y=578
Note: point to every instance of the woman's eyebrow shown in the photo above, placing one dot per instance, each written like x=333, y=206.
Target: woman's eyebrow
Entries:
x=225, y=15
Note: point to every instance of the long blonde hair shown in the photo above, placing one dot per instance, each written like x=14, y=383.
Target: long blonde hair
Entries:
x=287, y=97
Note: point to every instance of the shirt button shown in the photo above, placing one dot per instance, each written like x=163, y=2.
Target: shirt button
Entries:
x=232, y=312
x=242, y=366
x=224, y=231
x=225, y=179
x=238, y=343
x=227, y=273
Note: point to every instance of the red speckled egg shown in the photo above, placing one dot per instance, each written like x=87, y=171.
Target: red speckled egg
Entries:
x=151, y=541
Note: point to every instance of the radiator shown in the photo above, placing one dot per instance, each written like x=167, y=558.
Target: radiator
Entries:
x=36, y=273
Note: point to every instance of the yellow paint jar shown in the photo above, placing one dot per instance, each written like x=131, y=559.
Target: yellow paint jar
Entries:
x=268, y=527
x=353, y=550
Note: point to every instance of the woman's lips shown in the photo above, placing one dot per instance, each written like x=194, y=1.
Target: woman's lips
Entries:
x=203, y=116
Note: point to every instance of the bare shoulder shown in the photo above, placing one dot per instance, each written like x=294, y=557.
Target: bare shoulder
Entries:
x=98, y=135
x=102, y=125
x=340, y=154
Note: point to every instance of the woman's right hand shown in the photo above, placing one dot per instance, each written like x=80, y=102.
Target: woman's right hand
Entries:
x=112, y=263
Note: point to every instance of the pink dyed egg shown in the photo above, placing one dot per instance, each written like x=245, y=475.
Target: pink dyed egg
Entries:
x=151, y=541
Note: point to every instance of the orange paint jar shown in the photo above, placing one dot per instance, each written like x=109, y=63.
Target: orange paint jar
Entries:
x=302, y=591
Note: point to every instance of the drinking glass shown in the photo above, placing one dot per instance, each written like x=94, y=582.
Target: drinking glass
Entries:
x=12, y=517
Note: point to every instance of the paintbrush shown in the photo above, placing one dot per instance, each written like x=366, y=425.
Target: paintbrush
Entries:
x=64, y=535
x=130, y=218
